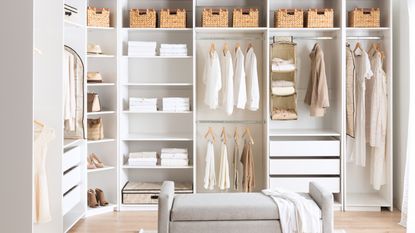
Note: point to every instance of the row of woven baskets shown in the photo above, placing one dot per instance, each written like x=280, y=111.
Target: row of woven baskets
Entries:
x=241, y=17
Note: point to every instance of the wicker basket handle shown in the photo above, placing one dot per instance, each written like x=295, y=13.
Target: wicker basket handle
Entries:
x=172, y=12
x=215, y=11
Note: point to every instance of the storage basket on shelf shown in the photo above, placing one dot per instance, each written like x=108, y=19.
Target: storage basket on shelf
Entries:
x=364, y=17
x=173, y=18
x=98, y=17
x=245, y=17
x=136, y=193
x=143, y=18
x=320, y=18
x=289, y=18
x=215, y=17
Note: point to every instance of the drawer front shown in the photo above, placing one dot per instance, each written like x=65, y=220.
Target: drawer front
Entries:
x=304, y=148
x=71, y=158
x=140, y=198
x=304, y=167
x=70, y=179
x=71, y=199
x=301, y=184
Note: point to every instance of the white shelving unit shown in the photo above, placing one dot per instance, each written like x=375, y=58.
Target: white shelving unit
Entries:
x=126, y=76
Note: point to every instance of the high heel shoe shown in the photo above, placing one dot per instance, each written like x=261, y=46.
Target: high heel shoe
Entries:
x=90, y=164
x=92, y=199
x=97, y=162
x=101, y=197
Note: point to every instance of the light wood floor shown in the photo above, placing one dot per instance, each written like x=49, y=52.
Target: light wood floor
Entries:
x=352, y=222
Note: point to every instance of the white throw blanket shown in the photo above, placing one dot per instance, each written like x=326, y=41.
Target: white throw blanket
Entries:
x=297, y=214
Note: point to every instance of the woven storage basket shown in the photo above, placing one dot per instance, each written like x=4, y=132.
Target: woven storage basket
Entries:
x=320, y=18
x=143, y=18
x=286, y=103
x=245, y=18
x=98, y=17
x=173, y=18
x=215, y=17
x=95, y=129
x=289, y=18
x=360, y=17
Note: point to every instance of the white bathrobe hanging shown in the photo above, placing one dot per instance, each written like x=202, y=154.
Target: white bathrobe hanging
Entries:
x=210, y=177
x=252, y=80
x=239, y=80
x=224, y=180
x=227, y=80
x=212, y=80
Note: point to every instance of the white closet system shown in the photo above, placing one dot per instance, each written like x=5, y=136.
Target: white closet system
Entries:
x=287, y=153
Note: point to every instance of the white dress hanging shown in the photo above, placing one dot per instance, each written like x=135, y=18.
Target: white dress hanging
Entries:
x=212, y=80
x=376, y=123
x=358, y=144
x=227, y=80
x=251, y=70
x=239, y=80
x=224, y=182
x=210, y=177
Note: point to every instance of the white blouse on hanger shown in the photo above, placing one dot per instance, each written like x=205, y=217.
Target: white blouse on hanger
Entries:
x=210, y=177
x=227, y=80
x=224, y=180
x=212, y=80
x=239, y=80
x=69, y=90
x=358, y=144
x=252, y=80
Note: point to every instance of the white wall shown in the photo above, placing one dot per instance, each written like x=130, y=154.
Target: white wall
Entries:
x=16, y=123
x=401, y=95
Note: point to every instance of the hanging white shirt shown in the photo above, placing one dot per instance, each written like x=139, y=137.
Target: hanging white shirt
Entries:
x=227, y=82
x=224, y=180
x=212, y=80
x=252, y=80
x=210, y=177
x=239, y=80
x=297, y=214
x=358, y=144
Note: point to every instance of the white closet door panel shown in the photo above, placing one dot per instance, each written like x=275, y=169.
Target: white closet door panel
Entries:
x=304, y=148
x=71, y=158
x=305, y=167
x=301, y=184
x=71, y=199
x=70, y=179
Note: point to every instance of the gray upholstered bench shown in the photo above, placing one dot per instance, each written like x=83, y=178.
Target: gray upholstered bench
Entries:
x=230, y=212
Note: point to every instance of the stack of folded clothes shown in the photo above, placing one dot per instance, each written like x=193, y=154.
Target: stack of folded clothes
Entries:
x=176, y=104
x=173, y=50
x=281, y=65
x=143, y=104
x=142, y=48
x=173, y=157
x=283, y=88
x=142, y=159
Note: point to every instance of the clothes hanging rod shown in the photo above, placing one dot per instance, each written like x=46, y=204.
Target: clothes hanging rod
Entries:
x=294, y=38
x=230, y=38
x=230, y=122
x=364, y=38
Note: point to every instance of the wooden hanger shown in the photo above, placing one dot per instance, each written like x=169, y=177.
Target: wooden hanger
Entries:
x=38, y=123
x=210, y=132
x=225, y=49
x=223, y=135
x=237, y=47
x=249, y=46
x=212, y=48
x=236, y=135
x=248, y=133
x=358, y=46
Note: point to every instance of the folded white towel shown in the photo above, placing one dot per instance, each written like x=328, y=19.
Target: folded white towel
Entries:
x=283, y=91
x=174, y=162
x=174, y=156
x=143, y=43
x=174, y=150
x=283, y=67
x=282, y=83
x=173, y=46
x=144, y=154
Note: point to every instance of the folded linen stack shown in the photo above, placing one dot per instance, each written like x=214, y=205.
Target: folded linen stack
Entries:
x=283, y=88
x=176, y=104
x=142, y=159
x=142, y=48
x=281, y=65
x=173, y=157
x=143, y=104
x=179, y=50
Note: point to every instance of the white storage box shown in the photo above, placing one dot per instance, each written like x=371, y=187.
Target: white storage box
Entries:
x=321, y=148
x=304, y=167
x=71, y=158
x=71, y=199
x=71, y=179
x=301, y=184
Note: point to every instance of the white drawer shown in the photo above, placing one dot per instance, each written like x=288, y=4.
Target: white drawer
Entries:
x=304, y=148
x=70, y=179
x=304, y=167
x=71, y=199
x=301, y=184
x=71, y=158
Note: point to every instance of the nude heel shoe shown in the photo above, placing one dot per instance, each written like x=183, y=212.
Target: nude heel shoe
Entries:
x=92, y=199
x=97, y=162
x=90, y=164
x=101, y=197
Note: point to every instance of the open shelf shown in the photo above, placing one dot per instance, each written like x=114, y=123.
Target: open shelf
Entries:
x=158, y=84
x=157, y=112
x=159, y=137
x=100, y=28
x=158, y=57
x=158, y=29
x=230, y=30
x=100, y=210
x=273, y=30
x=100, y=56
x=100, y=169
x=302, y=132
x=71, y=142
x=365, y=202
x=100, y=84
x=100, y=113
x=353, y=29
x=105, y=140
x=156, y=167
